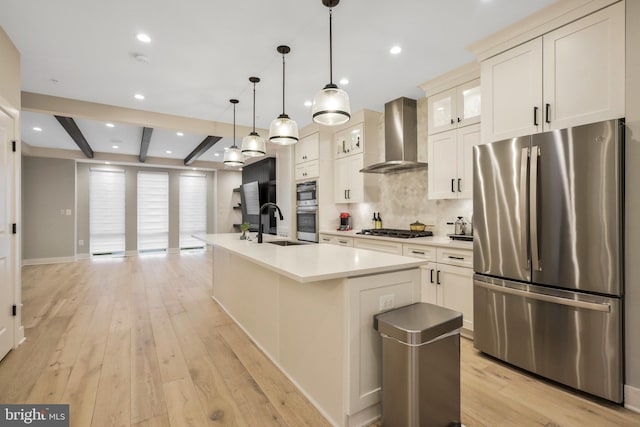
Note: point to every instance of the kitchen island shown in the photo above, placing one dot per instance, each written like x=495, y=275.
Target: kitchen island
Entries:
x=310, y=309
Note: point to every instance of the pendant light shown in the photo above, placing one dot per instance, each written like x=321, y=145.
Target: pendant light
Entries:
x=253, y=145
x=232, y=155
x=283, y=130
x=331, y=104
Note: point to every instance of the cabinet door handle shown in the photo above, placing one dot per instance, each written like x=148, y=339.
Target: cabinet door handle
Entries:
x=417, y=252
x=535, y=116
x=459, y=120
x=547, y=115
x=459, y=258
x=438, y=278
x=345, y=194
x=348, y=194
x=459, y=190
x=452, y=184
x=452, y=121
x=431, y=276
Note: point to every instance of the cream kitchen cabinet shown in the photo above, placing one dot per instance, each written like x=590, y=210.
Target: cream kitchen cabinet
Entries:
x=450, y=283
x=387, y=246
x=453, y=108
x=348, y=181
x=349, y=141
x=336, y=240
x=307, y=155
x=450, y=173
x=570, y=76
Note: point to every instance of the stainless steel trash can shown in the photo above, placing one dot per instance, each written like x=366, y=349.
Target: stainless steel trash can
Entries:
x=420, y=365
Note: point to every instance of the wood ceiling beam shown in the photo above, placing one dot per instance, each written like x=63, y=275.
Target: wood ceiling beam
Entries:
x=202, y=148
x=144, y=143
x=74, y=132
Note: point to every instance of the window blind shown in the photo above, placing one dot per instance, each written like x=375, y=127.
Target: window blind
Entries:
x=106, y=212
x=193, y=209
x=153, y=211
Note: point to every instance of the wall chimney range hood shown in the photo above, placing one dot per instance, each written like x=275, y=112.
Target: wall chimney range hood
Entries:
x=400, y=138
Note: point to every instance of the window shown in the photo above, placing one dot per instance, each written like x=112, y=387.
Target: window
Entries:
x=106, y=212
x=193, y=209
x=153, y=211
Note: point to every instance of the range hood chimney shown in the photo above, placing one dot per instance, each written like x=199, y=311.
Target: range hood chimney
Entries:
x=400, y=138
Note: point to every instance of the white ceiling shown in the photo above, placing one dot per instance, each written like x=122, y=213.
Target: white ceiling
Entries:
x=203, y=52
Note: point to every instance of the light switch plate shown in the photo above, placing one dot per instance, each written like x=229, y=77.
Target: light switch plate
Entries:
x=387, y=302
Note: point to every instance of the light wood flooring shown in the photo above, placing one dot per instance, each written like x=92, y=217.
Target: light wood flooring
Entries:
x=138, y=341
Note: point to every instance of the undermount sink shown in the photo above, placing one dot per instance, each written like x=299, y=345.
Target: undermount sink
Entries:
x=286, y=243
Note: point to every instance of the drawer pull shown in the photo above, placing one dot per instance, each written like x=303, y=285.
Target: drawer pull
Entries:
x=460, y=258
x=326, y=240
x=344, y=242
x=417, y=252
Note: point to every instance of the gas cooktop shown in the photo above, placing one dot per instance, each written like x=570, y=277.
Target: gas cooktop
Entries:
x=391, y=232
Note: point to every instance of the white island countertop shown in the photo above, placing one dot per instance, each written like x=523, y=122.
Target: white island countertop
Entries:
x=311, y=262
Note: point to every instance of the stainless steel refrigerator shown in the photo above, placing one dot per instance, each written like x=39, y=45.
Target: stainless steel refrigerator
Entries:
x=548, y=255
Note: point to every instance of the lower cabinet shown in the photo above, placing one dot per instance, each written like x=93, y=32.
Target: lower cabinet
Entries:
x=336, y=240
x=379, y=245
x=449, y=286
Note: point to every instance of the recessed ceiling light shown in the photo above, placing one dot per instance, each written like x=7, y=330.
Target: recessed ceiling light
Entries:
x=110, y=125
x=107, y=163
x=168, y=151
x=143, y=38
x=37, y=129
x=195, y=169
x=115, y=146
x=307, y=103
x=344, y=81
x=395, y=50
x=216, y=154
x=139, y=96
x=179, y=133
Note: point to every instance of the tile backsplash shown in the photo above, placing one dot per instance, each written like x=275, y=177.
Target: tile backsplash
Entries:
x=403, y=200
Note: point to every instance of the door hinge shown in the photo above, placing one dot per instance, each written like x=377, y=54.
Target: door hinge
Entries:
x=14, y=228
x=13, y=146
x=14, y=310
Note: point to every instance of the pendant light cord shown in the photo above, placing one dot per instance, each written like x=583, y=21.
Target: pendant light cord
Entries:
x=330, y=48
x=254, y=107
x=234, y=124
x=283, y=84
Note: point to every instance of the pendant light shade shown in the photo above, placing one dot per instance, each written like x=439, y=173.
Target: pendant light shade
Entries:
x=331, y=105
x=283, y=130
x=232, y=155
x=253, y=145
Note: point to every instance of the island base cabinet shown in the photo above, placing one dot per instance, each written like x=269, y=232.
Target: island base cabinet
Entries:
x=320, y=334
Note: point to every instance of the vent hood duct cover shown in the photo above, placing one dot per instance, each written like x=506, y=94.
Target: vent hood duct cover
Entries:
x=400, y=138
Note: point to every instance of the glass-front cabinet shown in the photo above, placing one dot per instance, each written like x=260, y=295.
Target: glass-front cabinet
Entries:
x=456, y=107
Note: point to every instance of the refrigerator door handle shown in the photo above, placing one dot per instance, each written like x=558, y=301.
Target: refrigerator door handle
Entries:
x=533, y=208
x=605, y=307
x=524, y=163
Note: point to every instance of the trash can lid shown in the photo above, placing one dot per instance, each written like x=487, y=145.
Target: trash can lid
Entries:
x=417, y=323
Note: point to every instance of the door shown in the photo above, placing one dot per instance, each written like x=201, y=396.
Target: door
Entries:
x=355, y=190
x=442, y=166
x=467, y=138
x=341, y=180
x=6, y=264
x=584, y=70
x=468, y=103
x=576, y=208
x=455, y=291
x=512, y=92
x=442, y=111
x=500, y=218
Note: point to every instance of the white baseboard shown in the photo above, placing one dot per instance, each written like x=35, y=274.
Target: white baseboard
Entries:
x=40, y=261
x=20, y=338
x=82, y=256
x=130, y=253
x=632, y=398
x=173, y=251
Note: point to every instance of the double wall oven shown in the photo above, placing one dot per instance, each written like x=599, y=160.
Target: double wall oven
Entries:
x=307, y=211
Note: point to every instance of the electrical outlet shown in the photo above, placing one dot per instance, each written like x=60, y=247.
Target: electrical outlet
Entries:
x=68, y=212
x=80, y=242
x=387, y=302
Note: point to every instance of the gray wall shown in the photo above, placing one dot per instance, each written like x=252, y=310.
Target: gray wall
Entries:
x=48, y=193
x=214, y=186
x=632, y=201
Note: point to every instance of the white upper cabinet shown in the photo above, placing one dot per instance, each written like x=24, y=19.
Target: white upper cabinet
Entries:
x=583, y=62
x=459, y=106
x=450, y=173
x=349, y=141
x=307, y=149
x=348, y=181
x=570, y=76
x=512, y=92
